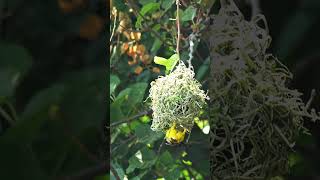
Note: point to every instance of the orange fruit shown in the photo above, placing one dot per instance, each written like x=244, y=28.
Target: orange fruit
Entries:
x=124, y=47
x=135, y=36
x=141, y=49
x=156, y=70
x=133, y=62
x=138, y=70
x=145, y=58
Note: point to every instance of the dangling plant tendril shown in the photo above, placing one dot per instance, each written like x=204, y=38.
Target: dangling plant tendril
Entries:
x=255, y=118
x=176, y=98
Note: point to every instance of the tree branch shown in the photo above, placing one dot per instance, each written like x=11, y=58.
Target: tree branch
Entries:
x=131, y=118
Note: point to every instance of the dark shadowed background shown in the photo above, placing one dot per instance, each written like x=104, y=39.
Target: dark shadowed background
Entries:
x=53, y=77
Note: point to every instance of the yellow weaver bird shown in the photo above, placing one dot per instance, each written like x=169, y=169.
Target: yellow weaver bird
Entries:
x=175, y=134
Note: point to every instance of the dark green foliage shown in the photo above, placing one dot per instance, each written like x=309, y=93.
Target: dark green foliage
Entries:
x=52, y=90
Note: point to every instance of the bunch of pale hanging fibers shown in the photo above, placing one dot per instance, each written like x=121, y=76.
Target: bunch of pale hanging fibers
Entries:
x=254, y=117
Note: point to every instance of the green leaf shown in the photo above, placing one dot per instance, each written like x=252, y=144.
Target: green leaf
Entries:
x=143, y=2
x=156, y=27
x=148, y=154
x=15, y=61
x=198, y=153
x=156, y=46
x=114, y=82
x=166, y=4
x=294, y=158
x=148, y=8
x=127, y=100
x=189, y=14
x=136, y=94
x=115, y=112
x=168, y=63
x=146, y=135
x=14, y=57
x=136, y=178
x=134, y=163
x=122, y=96
x=173, y=174
x=166, y=159
x=207, y=4
x=142, y=159
x=119, y=171
x=84, y=102
x=203, y=69
x=120, y=5
x=34, y=116
x=8, y=82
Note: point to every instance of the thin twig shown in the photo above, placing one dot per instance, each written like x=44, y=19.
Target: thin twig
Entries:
x=131, y=138
x=160, y=147
x=130, y=118
x=178, y=28
x=114, y=26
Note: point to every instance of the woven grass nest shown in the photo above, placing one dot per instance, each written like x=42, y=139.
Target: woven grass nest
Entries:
x=254, y=117
x=176, y=98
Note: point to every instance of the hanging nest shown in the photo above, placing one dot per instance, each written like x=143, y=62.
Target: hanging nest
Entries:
x=176, y=98
x=254, y=118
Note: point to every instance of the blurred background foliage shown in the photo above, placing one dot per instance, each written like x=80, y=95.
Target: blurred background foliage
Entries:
x=53, y=89
x=141, y=29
